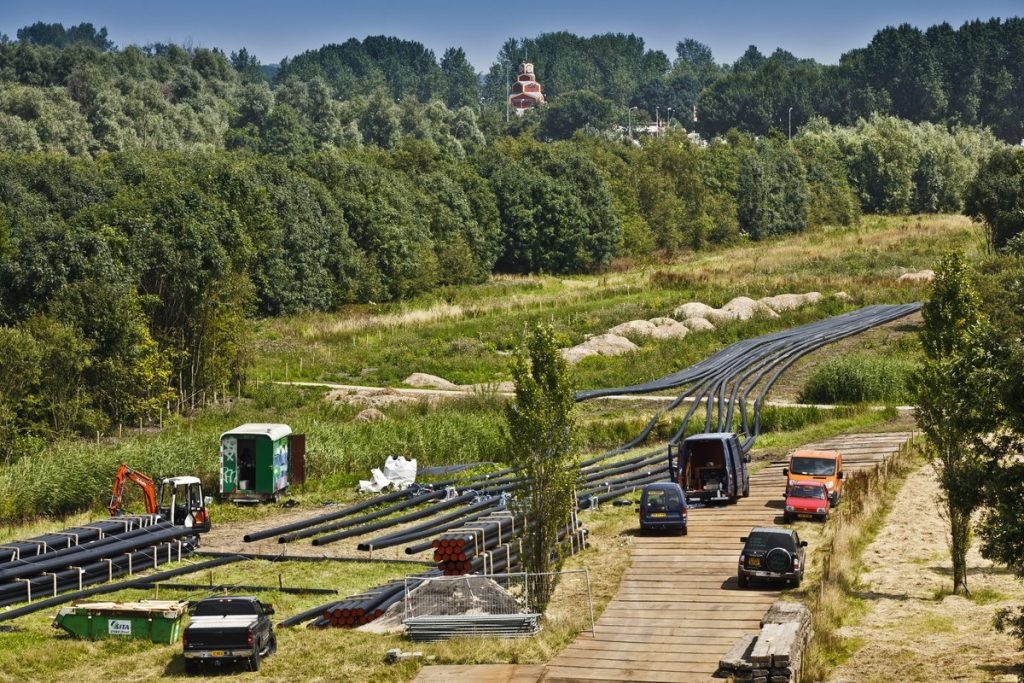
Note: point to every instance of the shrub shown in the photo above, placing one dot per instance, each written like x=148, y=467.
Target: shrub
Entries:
x=858, y=379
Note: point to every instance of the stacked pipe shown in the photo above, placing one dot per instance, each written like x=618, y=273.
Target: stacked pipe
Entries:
x=455, y=550
x=415, y=494
x=360, y=609
x=94, y=562
x=13, y=551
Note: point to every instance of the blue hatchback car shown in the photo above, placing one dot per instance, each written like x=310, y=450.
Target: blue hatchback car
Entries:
x=663, y=508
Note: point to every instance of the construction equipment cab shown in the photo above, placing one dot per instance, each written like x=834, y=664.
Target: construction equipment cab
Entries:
x=711, y=468
x=823, y=466
x=179, y=500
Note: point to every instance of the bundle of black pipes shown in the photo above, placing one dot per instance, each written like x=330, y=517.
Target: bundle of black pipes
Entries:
x=429, y=528
x=12, y=551
x=112, y=587
x=90, y=550
x=455, y=549
x=72, y=578
x=418, y=493
x=360, y=609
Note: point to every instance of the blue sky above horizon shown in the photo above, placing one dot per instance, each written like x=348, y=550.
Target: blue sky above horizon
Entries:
x=273, y=30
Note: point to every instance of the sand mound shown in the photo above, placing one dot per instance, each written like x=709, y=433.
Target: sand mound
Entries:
x=671, y=329
x=601, y=344
x=788, y=302
x=370, y=415
x=741, y=308
x=420, y=379
x=919, y=276
x=693, y=309
x=634, y=328
x=575, y=354
x=698, y=324
x=657, y=328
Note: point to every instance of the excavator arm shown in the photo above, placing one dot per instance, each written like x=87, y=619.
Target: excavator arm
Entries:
x=124, y=475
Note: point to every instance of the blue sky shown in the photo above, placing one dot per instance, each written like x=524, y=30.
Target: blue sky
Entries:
x=817, y=29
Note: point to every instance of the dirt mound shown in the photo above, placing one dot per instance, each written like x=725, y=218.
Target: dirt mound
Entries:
x=370, y=415
x=421, y=379
x=698, y=324
x=742, y=308
x=788, y=302
x=921, y=276
x=634, y=328
x=601, y=344
x=693, y=309
x=658, y=328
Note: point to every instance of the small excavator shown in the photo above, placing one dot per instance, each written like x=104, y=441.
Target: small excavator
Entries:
x=178, y=500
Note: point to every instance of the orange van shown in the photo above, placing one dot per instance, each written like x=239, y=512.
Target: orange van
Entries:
x=823, y=466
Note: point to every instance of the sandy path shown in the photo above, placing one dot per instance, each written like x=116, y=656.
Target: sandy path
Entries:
x=912, y=629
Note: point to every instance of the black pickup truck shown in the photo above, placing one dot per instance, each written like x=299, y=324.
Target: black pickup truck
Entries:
x=227, y=630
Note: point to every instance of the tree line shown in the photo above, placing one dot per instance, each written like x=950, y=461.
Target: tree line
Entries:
x=138, y=232
x=72, y=90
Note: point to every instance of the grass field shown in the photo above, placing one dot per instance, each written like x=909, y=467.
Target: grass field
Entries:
x=463, y=337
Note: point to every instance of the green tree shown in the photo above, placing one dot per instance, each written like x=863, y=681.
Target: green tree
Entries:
x=462, y=88
x=541, y=445
x=957, y=401
x=997, y=195
x=574, y=111
x=772, y=190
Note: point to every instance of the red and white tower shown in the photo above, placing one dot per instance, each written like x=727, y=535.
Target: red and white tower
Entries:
x=526, y=90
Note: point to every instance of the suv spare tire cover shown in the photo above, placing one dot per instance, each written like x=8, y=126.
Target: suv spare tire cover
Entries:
x=778, y=560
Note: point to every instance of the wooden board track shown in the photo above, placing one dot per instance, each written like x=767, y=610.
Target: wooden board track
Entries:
x=678, y=609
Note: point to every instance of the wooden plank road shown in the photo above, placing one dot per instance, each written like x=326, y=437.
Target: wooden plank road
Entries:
x=678, y=609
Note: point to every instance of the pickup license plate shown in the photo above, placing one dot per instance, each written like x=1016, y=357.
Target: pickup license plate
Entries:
x=754, y=562
x=216, y=653
x=764, y=574
x=658, y=514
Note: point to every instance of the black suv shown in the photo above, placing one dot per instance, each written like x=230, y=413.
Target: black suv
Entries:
x=771, y=552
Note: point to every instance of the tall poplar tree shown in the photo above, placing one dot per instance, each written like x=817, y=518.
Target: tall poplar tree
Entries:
x=957, y=392
x=541, y=446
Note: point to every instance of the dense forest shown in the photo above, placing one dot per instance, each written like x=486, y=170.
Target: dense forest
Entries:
x=152, y=199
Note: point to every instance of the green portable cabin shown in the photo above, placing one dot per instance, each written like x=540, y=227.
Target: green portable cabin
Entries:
x=260, y=460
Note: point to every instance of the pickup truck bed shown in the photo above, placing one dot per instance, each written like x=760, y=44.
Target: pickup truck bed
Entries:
x=241, y=631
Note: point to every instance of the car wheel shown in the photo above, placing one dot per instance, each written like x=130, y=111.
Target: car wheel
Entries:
x=682, y=532
x=191, y=667
x=743, y=581
x=273, y=644
x=254, y=661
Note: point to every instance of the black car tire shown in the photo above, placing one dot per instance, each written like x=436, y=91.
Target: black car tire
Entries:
x=191, y=667
x=743, y=581
x=682, y=532
x=786, y=519
x=778, y=560
x=272, y=648
x=254, y=661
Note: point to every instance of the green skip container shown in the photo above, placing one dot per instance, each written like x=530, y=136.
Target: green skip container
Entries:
x=159, y=621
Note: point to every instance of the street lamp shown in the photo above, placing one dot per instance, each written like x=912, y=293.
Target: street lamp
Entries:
x=629, y=116
x=668, y=117
x=506, y=65
x=791, y=123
